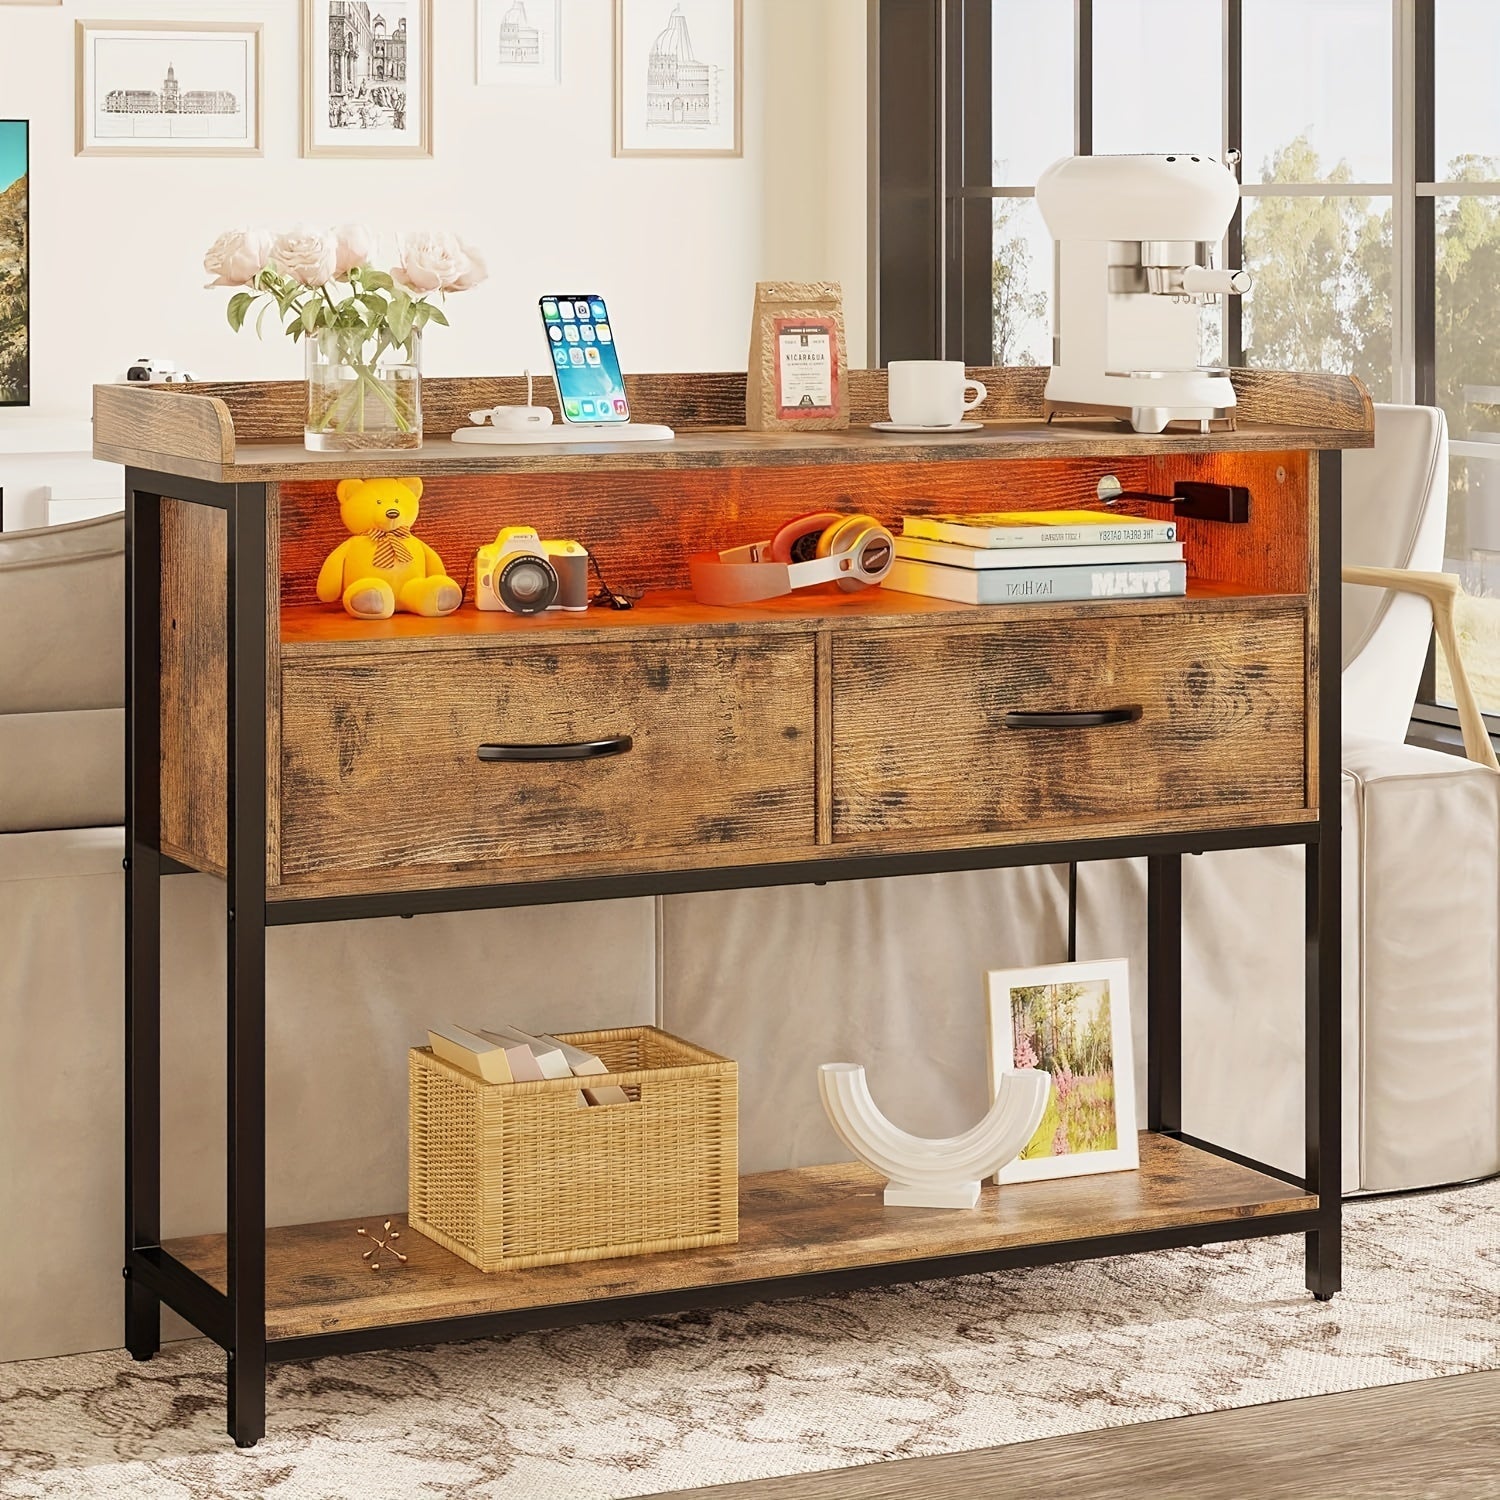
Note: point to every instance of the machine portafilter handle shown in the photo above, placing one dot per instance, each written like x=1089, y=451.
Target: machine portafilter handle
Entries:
x=1200, y=279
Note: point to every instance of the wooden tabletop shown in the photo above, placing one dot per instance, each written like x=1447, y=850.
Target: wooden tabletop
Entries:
x=251, y=433
x=735, y=449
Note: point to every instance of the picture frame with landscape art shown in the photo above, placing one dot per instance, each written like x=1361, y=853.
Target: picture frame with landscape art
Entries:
x=164, y=88
x=367, y=78
x=15, y=263
x=1073, y=1022
x=679, y=77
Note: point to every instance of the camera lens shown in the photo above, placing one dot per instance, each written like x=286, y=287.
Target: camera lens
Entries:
x=527, y=585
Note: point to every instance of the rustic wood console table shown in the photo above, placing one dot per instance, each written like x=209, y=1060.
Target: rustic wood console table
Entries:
x=820, y=737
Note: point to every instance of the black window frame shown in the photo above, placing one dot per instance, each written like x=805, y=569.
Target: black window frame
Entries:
x=931, y=123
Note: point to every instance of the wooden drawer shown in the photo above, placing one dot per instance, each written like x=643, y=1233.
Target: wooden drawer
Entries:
x=921, y=739
x=381, y=766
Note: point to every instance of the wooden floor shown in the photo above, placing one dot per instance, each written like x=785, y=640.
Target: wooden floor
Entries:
x=1430, y=1440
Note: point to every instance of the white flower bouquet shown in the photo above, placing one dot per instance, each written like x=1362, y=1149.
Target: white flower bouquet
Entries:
x=362, y=325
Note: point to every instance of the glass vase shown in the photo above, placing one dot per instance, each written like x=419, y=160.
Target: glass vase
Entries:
x=362, y=393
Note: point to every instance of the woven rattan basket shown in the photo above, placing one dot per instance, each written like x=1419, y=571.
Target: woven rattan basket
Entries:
x=510, y=1175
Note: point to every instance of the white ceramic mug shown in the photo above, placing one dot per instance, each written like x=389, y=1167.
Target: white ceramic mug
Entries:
x=930, y=392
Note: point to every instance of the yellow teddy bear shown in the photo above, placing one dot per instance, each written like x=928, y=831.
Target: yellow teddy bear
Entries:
x=383, y=567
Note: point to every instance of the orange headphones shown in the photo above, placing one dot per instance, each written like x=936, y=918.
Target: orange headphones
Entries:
x=825, y=547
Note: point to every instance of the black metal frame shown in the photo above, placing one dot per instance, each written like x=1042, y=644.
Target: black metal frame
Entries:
x=1322, y=985
x=813, y=1284
x=907, y=142
x=1234, y=135
x=235, y=1318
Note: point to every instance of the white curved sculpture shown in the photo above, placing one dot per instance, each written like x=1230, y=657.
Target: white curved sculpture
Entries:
x=933, y=1173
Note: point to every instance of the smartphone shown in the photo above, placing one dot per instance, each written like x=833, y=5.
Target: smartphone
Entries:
x=581, y=339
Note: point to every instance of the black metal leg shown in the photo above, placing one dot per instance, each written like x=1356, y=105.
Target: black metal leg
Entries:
x=1164, y=992
x=1323, y=980
x=142, y=909
x=1073, y=912
x=246, y=897
x=1324, y=1062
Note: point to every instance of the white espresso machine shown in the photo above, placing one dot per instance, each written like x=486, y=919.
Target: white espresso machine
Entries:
x=1135, y=238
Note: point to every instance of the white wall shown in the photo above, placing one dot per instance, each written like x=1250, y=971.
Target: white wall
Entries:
x=527, y=174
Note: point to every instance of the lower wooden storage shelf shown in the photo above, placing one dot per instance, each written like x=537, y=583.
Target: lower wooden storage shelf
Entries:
x=792, y=1223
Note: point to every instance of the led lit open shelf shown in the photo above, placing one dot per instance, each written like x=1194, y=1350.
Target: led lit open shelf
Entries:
x=803, y=1222
x=310, y=629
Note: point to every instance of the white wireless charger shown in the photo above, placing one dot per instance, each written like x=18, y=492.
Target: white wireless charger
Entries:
x=534, y=424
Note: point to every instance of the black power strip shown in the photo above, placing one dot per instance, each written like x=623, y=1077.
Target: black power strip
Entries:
x=1228, y=503
x=1211, y=502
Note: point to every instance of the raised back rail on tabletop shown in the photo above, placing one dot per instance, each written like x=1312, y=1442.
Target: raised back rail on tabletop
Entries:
x=253, y=430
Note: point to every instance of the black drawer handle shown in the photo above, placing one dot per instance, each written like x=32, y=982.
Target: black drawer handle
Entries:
x=586, y=750
x=1083, y=718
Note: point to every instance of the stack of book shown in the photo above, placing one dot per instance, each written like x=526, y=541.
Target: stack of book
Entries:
x=1016, y=557
x=504, y=1054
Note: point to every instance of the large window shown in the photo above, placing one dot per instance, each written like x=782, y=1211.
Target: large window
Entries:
x=1318, y=186
x=1369, y=136
x=1459, y=218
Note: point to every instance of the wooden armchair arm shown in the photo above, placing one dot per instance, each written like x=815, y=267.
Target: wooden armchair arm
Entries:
x=1441, y=591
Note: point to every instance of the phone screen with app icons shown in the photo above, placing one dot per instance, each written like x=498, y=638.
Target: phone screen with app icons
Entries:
x=581, y=341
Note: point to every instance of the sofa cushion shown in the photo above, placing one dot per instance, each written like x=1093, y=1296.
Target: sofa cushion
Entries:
x=62, y=676
x=1428, y=877
x=62, y=770
x=58, y=854
x=62, y=617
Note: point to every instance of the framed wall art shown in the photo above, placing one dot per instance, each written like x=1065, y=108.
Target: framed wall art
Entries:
x=367, y=78
x=157, y=88
x=1073, y=1022
x=679, y=77
x=518, y=42
x=15, y=263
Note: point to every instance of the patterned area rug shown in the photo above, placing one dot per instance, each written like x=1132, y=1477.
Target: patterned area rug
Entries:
x=633, y=1409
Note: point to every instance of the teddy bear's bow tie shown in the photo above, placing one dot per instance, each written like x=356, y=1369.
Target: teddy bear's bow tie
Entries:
x=390, y=546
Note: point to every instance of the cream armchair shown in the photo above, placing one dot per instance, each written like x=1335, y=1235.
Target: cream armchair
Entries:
x=1421, y=887
x=1441, y=591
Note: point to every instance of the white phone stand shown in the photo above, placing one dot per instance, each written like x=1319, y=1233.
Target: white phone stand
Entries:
x=505, y=425
x=515, y=418
x=561, y=433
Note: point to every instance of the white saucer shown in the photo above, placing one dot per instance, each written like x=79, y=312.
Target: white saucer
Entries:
x=907, y=427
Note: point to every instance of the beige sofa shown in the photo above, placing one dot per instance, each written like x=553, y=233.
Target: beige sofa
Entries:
x=345, y=1000
x=62, y=726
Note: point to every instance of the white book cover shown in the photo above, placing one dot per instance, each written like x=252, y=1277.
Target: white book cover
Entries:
x=549, y=1059
x=1035, y=585
x=473, y=1053
x=586, y=1065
